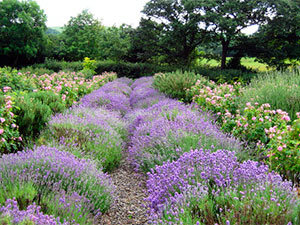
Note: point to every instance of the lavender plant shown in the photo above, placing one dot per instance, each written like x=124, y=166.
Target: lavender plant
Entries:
x=92, y=133
x=169, y=125
x=11, y=214
x=60, y=183
x=204, y=187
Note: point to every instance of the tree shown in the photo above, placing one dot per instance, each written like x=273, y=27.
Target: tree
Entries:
x=180, y=34
x=82, y=37
x=145, y=42
x=114, y=42
x=22, y=31
x=225, y=19
x=219, y=20
x=278, y=42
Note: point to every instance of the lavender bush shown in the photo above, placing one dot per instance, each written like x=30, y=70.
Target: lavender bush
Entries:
x=11, y=214
x=112, y=96
x=204, y=187
x=117, y=86
x=63, y=185
x=92, y=133
x=169, y=128
x=143, y=81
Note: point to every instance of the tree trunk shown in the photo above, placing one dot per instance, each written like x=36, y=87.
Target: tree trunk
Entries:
x=225, y=46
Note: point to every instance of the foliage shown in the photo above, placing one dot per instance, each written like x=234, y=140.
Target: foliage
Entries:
x=224, y=22
x=89, y=67
x=266, y=131
x=57, y=181
x=167, y=129
x=33, y=114
x=277, y=42
x=214, y=188
x=22, y=28
x=10, y=137
x=280, y=89
x=180, y=33
x=81, y=37
x=145, y=43
x=176, y=84
x=114, y=43
x=13, y=80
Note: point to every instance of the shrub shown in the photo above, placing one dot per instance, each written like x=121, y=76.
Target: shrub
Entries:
x=62, y=185
x=214, y=188
x=176, y=84
x=32, y=115
x=218, y=99
x=10, y=140
x=12, y=80
x=168, y=125
x=11, y=214
x=91, y=133
x=89, y=67
x=279, y=89
x=113, y=96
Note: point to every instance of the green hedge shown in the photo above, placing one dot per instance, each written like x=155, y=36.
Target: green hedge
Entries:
x=136, y=70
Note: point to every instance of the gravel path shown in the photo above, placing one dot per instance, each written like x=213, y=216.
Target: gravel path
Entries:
x=130, y=194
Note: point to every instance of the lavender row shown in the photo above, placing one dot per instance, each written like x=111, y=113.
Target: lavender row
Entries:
x=64, y=179
x=205, y=186
x=162, y=129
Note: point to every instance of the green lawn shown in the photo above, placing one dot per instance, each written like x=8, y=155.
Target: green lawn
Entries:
x=248, y=62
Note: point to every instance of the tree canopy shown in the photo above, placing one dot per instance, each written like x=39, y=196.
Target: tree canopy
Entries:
x=190, y=22
x=81, y=37
x=22, y=29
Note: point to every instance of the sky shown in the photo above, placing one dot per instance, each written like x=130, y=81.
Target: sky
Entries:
x=109, y=12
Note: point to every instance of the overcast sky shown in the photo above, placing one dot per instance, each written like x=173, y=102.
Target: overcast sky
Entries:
x=109, y=12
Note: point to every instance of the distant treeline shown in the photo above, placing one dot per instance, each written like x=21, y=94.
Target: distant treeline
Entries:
x=170, y=33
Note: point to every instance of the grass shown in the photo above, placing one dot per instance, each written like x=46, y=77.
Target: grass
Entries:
x=280, y=89
x=247, y=62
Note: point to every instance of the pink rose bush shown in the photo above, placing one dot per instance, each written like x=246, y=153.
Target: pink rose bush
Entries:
x=10, y=139
x=270, y=132
x=16, y=86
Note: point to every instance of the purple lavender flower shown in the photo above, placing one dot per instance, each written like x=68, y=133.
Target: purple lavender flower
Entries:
x=52, y=171
x=169, y=125
x=94, y=132
x=209, y=172
x=32, y=213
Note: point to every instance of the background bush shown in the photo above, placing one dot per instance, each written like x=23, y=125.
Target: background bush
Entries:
x=136, y=70
x=280, y=89
x=176, y=84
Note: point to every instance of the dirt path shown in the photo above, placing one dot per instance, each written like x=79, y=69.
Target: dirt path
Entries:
x=130, y=195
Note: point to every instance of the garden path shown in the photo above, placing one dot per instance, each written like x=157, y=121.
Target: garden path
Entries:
x=130, y=194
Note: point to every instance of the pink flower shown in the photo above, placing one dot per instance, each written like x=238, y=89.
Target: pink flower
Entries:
x=13, y=125
x=286, y=118
x=253, y=118
x=246, y=125
x=2, y=139
x=20, y=138
x=2, y=120
x=1, y=131
x=261, y=119
x=279, y=148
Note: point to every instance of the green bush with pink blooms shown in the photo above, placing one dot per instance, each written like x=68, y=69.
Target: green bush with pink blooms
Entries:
x=270, y=132
x=27, y=101
x=10, y=139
